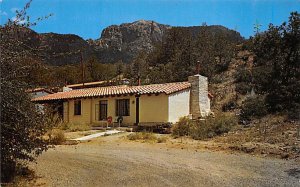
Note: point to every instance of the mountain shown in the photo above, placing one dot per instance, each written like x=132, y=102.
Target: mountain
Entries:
x=64, y=48
x=124, y=42
x=117, y=42
x=232, y=35
x=51, y=48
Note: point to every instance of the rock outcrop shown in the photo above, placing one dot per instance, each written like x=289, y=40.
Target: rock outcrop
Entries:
x=124, y=42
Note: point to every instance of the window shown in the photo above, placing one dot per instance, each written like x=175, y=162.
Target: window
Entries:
x=103, y=110
x=77, y=107
x=122, y=108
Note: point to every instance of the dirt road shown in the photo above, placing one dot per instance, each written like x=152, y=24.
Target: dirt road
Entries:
x=109, y=161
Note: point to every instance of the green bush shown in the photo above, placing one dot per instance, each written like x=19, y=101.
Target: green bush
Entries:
x=253, y=107
x=243, y=88
x=205, y=128
x=181, y=128
x=243, y=75
x=231, y=105
x=56, y=137
x=212, y=126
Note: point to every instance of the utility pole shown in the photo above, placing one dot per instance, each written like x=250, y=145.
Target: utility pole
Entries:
x=298, y=128
x=198, y=67
x=82, y=67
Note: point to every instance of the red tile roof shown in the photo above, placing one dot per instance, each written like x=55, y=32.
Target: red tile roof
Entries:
x=166, y=88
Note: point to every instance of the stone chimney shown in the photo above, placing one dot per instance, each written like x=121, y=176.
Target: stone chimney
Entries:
x=199, y=100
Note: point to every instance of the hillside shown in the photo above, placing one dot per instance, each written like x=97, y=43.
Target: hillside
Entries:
x=52, y=48
x=116, y=43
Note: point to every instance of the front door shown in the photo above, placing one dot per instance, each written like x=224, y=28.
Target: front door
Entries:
x=103, y=110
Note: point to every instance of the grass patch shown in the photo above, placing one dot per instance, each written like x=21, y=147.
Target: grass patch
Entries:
x=147, y=137
x=73, y=127
x=162, y=139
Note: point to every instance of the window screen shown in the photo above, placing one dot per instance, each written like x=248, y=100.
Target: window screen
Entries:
x=103, y=110
x=122, y=108
x=77, y=107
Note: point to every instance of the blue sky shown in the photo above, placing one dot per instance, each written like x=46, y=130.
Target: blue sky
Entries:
x=87, y=18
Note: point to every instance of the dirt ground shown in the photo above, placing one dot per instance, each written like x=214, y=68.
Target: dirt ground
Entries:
x=115, y=161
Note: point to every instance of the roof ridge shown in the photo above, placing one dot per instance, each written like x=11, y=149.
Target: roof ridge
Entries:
x=166, y=88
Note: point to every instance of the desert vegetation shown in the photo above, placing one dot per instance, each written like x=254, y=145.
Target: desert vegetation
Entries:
x=147, y=137
x=203, y=129
x=72, y=127
x=56, y=136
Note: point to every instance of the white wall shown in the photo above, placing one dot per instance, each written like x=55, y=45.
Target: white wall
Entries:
x=179, y=105
x=38, y=94
x=204, y=100
x=39, y=107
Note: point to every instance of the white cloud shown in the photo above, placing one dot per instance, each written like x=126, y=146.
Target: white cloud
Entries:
x=18, y=21
x=1, y=1
x=3, y=13
x=13, y=10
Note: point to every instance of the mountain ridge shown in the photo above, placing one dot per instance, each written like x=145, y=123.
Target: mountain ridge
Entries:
x=117, y=43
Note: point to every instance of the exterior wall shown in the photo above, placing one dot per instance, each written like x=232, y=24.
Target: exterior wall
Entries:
x=179, y=105
x=153, y=108
x=90, y=110
x=199, y=101
x=66, y=111
x=86, y=112
x=111, y=109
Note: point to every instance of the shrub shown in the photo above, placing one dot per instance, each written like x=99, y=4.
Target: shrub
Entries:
x=253, y=106
x=229, y=106
x=221, y=67
x=56, y=137
x=217, y=79
x=146, y=137
x=181, y=128
x=141, y=136
x=205, y=128
x=243, y=75
x=242, y=88
x=211, y=127
x=162, y=139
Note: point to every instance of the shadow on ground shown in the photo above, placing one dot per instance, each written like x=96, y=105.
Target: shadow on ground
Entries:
x=295, y=172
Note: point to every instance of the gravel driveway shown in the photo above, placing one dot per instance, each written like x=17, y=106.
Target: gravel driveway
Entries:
x=109, y=161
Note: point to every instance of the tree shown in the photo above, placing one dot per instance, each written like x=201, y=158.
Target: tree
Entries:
x=278, y=50
x=22, y=126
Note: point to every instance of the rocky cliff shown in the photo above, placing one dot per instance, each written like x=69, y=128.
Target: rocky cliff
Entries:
x=123, y=42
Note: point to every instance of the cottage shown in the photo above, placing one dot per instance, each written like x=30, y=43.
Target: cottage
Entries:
x=39, y=92
x=155, y=103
